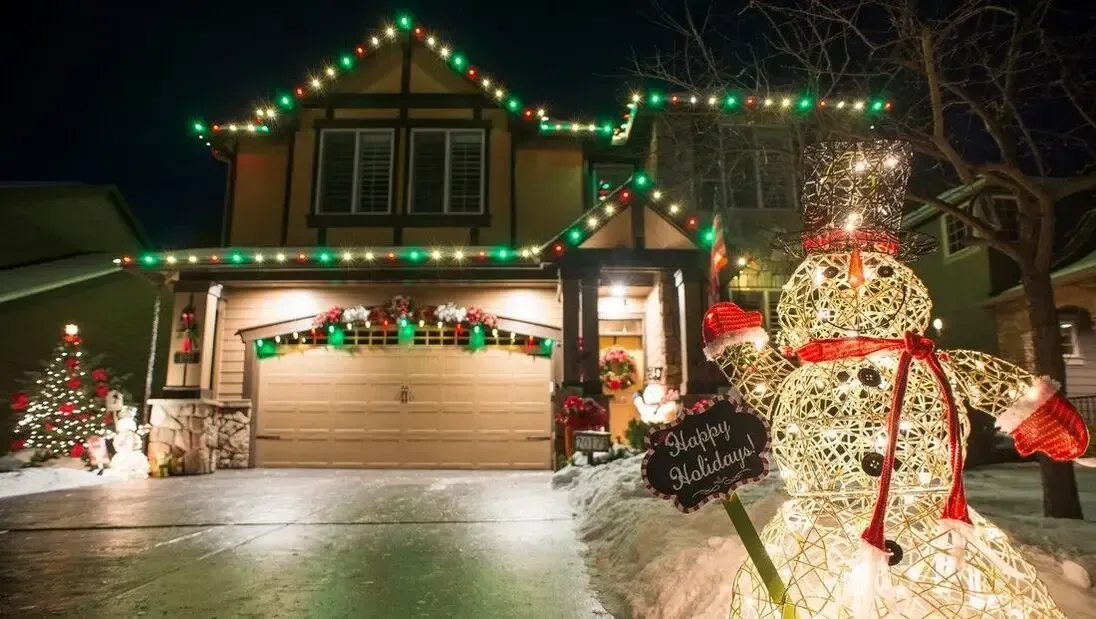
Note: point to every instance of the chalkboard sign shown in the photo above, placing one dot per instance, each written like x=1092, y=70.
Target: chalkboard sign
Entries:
x=590, y=442
x=706, y=455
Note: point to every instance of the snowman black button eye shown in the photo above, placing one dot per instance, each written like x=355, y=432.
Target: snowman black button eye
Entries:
x=885, y=271
x=830, y=272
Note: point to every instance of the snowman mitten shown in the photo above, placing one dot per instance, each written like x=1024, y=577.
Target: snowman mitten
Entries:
x=1043, y=420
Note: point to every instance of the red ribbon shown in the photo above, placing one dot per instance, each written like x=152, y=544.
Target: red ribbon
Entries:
x=871, y=240
x=912, y=346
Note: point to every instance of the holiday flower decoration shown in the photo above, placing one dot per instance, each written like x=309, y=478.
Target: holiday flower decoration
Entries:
x=578, y=413
x=62, y=404
x=869, y=431
x=618, y=369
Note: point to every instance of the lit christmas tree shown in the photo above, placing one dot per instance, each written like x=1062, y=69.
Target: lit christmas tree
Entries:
x=64, y=403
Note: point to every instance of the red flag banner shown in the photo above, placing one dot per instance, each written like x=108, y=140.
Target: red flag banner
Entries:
x=718, y=261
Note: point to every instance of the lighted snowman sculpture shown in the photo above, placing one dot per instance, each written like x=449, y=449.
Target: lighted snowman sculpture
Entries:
x=128, y=462
x=869, y=430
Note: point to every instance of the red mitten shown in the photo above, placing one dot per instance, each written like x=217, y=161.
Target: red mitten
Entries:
x=1043, y=420
x=726, y=324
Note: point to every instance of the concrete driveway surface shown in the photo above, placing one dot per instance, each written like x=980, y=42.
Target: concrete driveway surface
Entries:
x=297, y=543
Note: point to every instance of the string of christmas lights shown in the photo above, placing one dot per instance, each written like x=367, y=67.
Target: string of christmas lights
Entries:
x=267, y=113
x=724, y=102
x=638, y=190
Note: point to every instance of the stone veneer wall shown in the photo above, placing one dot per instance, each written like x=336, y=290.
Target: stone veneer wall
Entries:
x=183, y=430
x=234, y=435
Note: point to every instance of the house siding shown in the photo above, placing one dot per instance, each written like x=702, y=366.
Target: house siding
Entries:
x=958, y=284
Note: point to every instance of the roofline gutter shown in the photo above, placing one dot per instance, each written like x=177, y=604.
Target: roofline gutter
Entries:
x=60, y=283
x=1017, y=292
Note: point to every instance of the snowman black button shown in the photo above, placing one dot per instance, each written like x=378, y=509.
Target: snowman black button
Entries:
x=895, y=552
x=869, y=376
x=872, y=463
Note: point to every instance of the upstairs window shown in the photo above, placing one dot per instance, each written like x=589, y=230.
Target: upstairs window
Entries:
x=957, y=234
x=355, y=173
x=447, y=171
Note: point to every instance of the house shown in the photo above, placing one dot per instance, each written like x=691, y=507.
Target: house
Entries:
x=490, y=269
x=1075, y=295
x=976, y=295
x=55, y=269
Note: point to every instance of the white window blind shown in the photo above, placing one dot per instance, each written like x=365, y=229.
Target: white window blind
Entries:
x=355, y=173
x=447, y=171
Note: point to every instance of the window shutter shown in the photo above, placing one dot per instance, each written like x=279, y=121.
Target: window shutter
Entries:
x=336, y=172
x=428, y=172
x=466, y=172
x=374, y=171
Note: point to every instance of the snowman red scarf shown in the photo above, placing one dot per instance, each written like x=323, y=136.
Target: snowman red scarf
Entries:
x=955, y=518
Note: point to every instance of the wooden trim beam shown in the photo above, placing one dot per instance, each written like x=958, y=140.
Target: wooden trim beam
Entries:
x=364, y=220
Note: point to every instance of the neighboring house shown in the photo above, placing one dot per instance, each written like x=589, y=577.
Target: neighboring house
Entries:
x=962, y=275
x=405, y=170
x=1075, y=295
x=55, y=269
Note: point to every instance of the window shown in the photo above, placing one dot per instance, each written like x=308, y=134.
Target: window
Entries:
x=745, y=167
x=355, y=174
x=711, y=196
x=957, y=234
x=775, y=167
x=1006, y=214
x=1067, y=333
x=446, y=171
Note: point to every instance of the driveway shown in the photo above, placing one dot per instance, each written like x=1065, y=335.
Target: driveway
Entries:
x=295, y=543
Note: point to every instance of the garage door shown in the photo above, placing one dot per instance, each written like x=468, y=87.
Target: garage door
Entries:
x=404, y=407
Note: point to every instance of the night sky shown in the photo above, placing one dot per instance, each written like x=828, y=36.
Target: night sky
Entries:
x=97, y=94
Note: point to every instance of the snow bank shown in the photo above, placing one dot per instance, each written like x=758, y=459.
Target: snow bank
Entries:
x=640, y=548
x=49, y=478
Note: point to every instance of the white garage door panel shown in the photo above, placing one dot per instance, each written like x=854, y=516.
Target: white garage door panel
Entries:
x=334, y=408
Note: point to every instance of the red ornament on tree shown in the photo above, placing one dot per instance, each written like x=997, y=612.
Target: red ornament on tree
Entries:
x=77, y=450
x=66, y=408
x=99, y=374
x=72, y=363
x=102, y=389
x=108, y=418
x=73, y=383
x=17, y=444
x=49, y=427
x=19, y=402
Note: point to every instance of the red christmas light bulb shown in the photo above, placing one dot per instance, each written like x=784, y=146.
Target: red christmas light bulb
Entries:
x=472, y=72
x=419, y=31
x=360, y=50
x=558, y=249
x=625, y=196
x=300, y=91
x=214, y=258
x=691, y=222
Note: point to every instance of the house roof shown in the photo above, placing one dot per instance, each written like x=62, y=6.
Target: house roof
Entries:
x=64, y=234
x=267, y=113
x=1081, y=269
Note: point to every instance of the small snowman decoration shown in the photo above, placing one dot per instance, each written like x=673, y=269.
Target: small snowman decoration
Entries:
x=869, y=431
x=128, y=461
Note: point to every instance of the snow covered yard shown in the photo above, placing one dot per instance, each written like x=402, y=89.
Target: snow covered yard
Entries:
x=641, y=548
x=54, y=475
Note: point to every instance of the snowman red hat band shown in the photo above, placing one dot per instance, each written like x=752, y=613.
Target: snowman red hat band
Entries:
x=726, y=324
x=840, y=240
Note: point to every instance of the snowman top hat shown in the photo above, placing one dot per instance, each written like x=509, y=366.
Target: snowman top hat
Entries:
x=853, y=193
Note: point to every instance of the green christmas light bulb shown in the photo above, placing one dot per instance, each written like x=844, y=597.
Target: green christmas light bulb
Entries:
x=513, y=104
x=285, y=101
x=655, y=98
x=804, y=103
x=149, y=259
x=325, y=257
x=732, y=101
x=199, y=127
x=346, y=60
x=876, y=106
x=641, y=179
x=575, y=235
x=414, y=255
x=458, y=61
x=404, y=21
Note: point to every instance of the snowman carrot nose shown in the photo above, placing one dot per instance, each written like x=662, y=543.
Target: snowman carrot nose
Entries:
x=856, y=269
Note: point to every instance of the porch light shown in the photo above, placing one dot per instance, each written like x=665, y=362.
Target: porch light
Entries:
x=937, y=324
x=617, y=290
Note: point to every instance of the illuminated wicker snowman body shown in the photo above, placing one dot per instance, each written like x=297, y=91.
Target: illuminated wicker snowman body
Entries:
x=868, y=431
